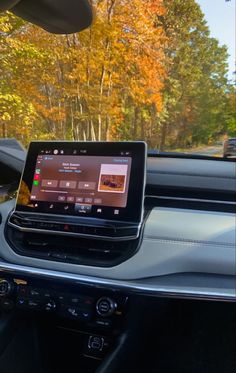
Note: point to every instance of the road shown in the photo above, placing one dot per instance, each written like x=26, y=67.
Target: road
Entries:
x=212, y=151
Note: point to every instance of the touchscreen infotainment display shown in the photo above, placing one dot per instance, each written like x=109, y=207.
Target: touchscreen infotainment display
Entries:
x=102, y=180
x=82, y=179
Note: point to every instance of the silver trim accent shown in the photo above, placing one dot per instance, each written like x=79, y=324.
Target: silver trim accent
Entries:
x=192, y=199
x=131, y=286
x=107, y=238
x=52, y=218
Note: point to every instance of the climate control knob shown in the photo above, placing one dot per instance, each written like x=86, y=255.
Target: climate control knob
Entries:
x=106, y=306
x=6, y=287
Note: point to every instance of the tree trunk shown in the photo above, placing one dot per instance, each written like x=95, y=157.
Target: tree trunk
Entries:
x=135, y=123
x=72, y=123
x=100, y=103
x=93, y=135
x=4, y=129
x=108, y=118
x=164, y=130
x=142, y=129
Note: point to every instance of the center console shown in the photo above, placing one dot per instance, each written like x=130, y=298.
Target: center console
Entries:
x=80, y=203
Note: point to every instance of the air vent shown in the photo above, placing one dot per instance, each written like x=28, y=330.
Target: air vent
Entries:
x=77, y=250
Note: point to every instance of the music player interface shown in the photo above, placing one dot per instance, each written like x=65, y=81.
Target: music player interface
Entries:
x=82, y=180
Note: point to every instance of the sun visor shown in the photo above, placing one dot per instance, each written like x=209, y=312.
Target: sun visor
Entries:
x=7, y=4
x=55, y=16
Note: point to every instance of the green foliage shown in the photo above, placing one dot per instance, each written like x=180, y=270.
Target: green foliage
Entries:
x=196, y=87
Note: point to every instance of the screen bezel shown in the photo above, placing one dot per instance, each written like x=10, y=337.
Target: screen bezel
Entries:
x=133, y=212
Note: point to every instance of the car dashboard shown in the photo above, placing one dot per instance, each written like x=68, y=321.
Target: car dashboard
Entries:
x=87, y=271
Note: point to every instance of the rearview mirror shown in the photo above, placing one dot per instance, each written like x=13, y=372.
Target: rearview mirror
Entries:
x=55, y=16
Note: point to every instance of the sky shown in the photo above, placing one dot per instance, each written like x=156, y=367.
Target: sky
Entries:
x=220, y=16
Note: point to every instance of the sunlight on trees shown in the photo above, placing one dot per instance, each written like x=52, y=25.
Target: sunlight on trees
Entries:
x=146, y=69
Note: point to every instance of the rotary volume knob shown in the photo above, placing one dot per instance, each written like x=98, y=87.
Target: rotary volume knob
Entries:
x=6, y=287
x=106, y=306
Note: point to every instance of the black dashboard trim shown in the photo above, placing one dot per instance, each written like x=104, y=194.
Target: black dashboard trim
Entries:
x=173, y=173
x=188, y=156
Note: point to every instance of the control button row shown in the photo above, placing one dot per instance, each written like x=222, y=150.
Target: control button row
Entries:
x=42, y=294
x=77, y=229
x=36, y=304
x=67, y=305
x=78, y=312
x=75, y=312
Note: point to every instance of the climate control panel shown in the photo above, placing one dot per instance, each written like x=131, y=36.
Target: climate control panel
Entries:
x=89, y=306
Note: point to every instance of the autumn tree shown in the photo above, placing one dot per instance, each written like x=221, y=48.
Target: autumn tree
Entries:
x=146, y=69
x=16, y=112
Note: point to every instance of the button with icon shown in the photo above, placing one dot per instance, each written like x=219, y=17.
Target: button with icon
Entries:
x=116, y=212
x=61, y=198
x=82, y=209
x=79, y=199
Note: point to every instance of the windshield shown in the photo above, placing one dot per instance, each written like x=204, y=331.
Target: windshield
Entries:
x=161, y=71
